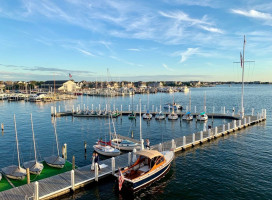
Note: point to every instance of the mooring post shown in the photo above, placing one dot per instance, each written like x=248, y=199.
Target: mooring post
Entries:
x=112, y=165
x=209, y=133
x=96, y=171
x=223, y=128
x=184, y=141
x=239, y=123
x=156, y=109
x=249, y=119
x=36, y=190
x=73, y=109
x=52, y=112
x=129, y=158
x=134, y=155
x=160, y=147
x=74, y=163
x=215, y=130
x=55, y=111
x=28, y=175
x=228, y=126
x=264, y=113
x=201, y=136
x=245, y=121
x=85, y=146
x=224, y=110
x=73, y=179
x=169, y=108
x=92, y=106
x=252, y=112
x=234, y=124
x=193, y=138
x=65, y=151
x=173, y=145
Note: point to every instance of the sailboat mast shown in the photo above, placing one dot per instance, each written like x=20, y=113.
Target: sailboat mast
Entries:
x=17, y=142
x=141, y=138
x=56, y=135
x=204, y=101
x=190, y=101
x=243, y=70
x=33, y=137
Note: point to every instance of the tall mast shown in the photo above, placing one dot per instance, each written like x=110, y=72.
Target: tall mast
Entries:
x=141, y=138
x=243, y=70
x=190, y=101
x=17, y=142
x=33, y=136
x=204, y=100
x=56, y=135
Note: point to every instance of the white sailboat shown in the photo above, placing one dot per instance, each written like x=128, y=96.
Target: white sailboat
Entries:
x=34, y=166
x=55, y=161
x=203, y=116
x=187, y=116
x=13, y=171
x=147, y=115
x=173, y=115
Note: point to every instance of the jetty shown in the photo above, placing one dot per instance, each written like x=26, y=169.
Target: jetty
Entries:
x=69, y=181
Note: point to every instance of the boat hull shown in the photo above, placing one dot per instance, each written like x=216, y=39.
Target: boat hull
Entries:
x=125, y=147
x=104, y=153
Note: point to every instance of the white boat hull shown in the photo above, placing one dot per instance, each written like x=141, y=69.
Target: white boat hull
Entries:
x=124, y=147
x=14, y=172
x=104, y=152
x=172, y=117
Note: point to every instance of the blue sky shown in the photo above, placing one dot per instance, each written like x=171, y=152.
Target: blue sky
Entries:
x=136, y=40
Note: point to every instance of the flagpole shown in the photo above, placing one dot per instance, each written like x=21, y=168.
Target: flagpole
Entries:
x=243, y=70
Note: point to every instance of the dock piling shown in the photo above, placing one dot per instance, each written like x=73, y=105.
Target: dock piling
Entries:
x=65, y=151
x=85, y=146
x=228, y=127
x=223, y=129
x=28, y=175
x=215, y=131
x=96, y=171
x=73, y=179
x=134, y=155
x=224, y=110
x=173, y=145
x=249, y=119
x=73, y=163
x=160, y=147
x=234, y=124
x=129, y=158
x=245, y=121
x=184, y=141
x=113, y=165
x=239, y=123
x=201, y=136
x=209, y=133
x=36, y=191
x=193, y=139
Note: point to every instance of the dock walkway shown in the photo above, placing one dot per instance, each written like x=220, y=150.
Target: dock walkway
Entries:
x=63, y=183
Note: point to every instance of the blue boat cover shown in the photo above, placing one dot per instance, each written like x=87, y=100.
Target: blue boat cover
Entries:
x=203, y=113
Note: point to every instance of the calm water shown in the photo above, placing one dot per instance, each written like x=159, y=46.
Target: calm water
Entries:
x=237, y=166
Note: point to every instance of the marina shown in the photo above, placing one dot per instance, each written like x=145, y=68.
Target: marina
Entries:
x=71, y=180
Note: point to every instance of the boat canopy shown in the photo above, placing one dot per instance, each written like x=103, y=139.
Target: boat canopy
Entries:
x=203, y=113
x=188, y=113
x=149, y=153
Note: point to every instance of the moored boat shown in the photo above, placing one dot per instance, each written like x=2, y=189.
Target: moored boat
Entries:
x=150, y=166
x=147, y=115
x=125, y=145
x=160, y=116
x=172, y=105
x=187, y=116
x=104, y=148
x=202, y=117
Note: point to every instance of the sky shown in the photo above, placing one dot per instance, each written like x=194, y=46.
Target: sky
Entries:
x=148, y=40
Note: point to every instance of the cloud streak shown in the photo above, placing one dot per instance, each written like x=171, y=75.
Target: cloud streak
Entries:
x=167, y=68
x=187, y=54
x=253, y=14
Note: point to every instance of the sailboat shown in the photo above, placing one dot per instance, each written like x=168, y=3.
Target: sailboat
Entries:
x=147, y=115
x=105, y=148
x=173, y=115
x=13, y=171
x=34, y=166
x=160, y=115
x=132, y=115
x=150, y=166
x=55, y=161
x=203, y=116
x=187, y=116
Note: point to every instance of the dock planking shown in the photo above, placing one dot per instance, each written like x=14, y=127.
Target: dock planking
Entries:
x=61, y=184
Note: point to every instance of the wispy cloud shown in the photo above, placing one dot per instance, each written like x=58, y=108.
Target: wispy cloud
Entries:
x=211, y=29
x=133, y=49
x=168, y=68
x=188, y=53
x=253, y=13
x=85, y=52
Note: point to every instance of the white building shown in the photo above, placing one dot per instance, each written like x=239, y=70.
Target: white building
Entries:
x=69, y=86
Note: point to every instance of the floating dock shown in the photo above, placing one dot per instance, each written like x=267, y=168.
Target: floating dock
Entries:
x=71, y=180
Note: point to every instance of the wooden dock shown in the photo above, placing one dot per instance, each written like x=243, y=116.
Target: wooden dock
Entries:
x=69, y=181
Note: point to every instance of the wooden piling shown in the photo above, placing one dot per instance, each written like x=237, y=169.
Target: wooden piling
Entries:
x=28, y=175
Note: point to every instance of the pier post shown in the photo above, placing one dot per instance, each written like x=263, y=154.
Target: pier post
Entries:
x=73, y=109
x=129, y=158
x=134, y=155
x=239, y=123
x=169, y=109
x=92, y=106
x=201, y=136
x=195, y=109
x=96, y=171
x=160, y=147
x=193, y=139
x=264, y=113
x=223, y=128
x=52, y=112
x=55, y=111
x=73, y=179
x=128, y=107
x=156, y=109
x=215, y=130
x=65, y=151
x=184, y=141
x=85, y=146
x=209, y=133
x=228, y=127
x=36, y=190
x=252, y=112
x=245, y=121
x=224, y=110
x=173, y=145
x=28, y=175
x=73, y=163
x=59, y=108
x=249, y=119
x=112, y=165
x=234, y=124
x=152, y=108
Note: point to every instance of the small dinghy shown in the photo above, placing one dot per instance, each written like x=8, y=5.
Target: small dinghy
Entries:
x=104, y=148
x=187, y=116
x=160, y=116
x=14, y=171
x=202, y=117
x=34, y=166
x=125, y=145
x=55, y=161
